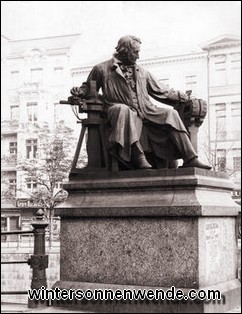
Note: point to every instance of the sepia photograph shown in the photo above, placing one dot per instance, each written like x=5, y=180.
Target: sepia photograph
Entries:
x=121, y=156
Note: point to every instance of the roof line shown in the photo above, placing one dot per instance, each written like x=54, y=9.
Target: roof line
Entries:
x=47, y=37
x=174, y=56
x=5, y=37
x=218, y=38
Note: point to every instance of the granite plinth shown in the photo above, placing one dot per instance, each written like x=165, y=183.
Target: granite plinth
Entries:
x=153, y=228
x=133, y=251
x=161, y=251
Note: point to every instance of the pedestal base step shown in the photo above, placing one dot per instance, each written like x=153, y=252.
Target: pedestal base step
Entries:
x=230, y=291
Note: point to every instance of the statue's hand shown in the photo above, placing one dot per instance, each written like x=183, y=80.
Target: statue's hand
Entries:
x=77, y=92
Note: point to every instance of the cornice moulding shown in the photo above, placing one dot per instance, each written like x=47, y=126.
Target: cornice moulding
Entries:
x=160, y=60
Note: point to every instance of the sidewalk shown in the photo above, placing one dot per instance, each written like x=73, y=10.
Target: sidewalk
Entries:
x=22, y=308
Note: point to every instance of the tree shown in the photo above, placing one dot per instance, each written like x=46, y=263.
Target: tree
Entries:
x=7, y=193
x=50, y=168
x=217, y=150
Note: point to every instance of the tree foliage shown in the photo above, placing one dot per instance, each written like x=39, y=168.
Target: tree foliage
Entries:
x=52, y=166
x=216, y=155
x=7, y=194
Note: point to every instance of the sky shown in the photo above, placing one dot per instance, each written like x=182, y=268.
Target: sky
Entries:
x=161, y=25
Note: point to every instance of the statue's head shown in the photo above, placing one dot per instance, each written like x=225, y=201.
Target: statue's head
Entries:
x=128, y=49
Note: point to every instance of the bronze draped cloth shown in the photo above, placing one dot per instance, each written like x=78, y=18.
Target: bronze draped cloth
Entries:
x=137, y=119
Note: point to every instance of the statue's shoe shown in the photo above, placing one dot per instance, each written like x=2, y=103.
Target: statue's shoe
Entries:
x=196, y=163
x=142, y=163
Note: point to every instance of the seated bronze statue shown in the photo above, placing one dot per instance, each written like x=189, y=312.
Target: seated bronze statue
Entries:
x=137, y=133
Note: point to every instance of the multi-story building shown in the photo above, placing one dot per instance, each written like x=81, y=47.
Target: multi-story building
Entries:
x=38, y=73
x=35, y=76
x=224, y=72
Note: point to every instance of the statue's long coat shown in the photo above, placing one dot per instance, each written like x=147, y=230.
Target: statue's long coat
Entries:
x=115, y=89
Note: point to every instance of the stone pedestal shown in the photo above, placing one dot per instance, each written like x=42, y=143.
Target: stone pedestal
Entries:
x=150, y=229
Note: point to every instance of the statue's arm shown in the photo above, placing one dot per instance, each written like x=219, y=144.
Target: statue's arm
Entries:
x=163, y=93
x=84, y=89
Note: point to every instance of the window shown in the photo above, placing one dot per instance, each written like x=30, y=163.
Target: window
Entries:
x=235, y=61
x=31, y=148
x=14, y=223
x=220, y=112
x=4, y=224
x=220, y=70
x=236, y=119
x=13, y=186
x=191, y=83
x=236, y=108
x=14, y=112
x=32, y=111
x=220, y=107
x=221, y=160
x=237, y=159
x=237, y=163
x=8, y=224
x=58, y=71
x=220, y=66
x=31, y=184
x=4, y=227
x=15, y=78
x=220, y=128
x=235, y=69
x=13, y=148
x=36, y=75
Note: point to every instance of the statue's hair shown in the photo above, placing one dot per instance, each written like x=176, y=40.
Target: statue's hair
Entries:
x=125, y=43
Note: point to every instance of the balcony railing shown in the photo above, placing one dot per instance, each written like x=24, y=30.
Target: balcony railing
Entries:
x=9, y=161
x=9, y=127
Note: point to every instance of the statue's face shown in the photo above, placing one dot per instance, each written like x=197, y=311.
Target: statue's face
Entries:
x=133, y=53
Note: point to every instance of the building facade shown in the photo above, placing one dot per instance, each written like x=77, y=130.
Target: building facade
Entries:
x=38, y=73
x=224, y=74
x=35, y=77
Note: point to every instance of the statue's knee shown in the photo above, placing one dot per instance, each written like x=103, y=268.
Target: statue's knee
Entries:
x=122, y=110
x=121, y=107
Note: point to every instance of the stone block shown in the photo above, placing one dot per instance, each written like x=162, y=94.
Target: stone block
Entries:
x=151, y=229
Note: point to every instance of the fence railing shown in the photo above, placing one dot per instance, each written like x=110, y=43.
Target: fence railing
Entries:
x=38, y=261
x=27, y=243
